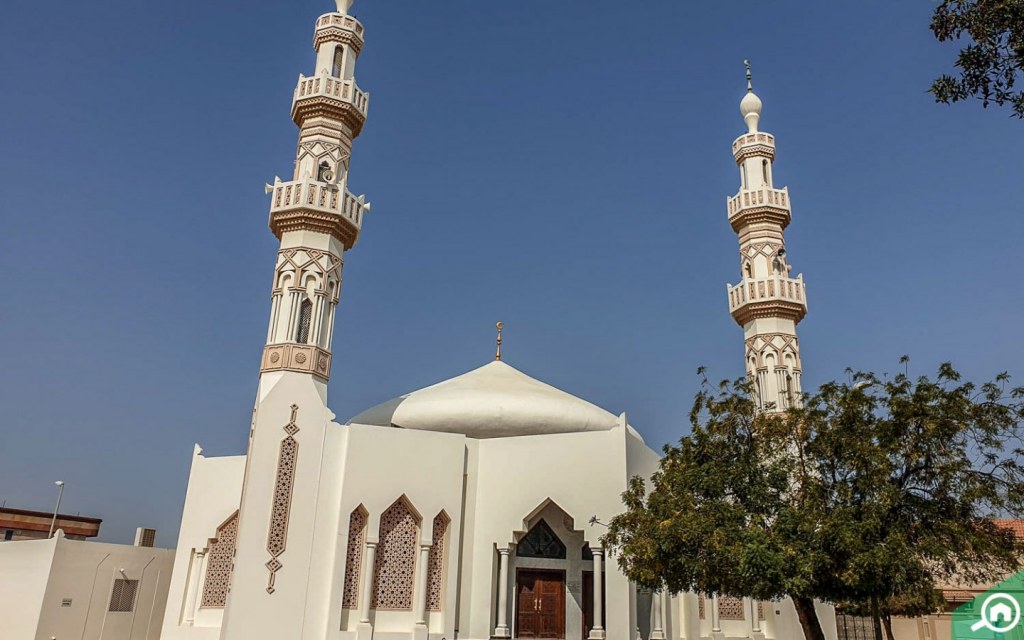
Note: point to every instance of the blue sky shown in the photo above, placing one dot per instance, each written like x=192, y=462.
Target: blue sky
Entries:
x=560, y=166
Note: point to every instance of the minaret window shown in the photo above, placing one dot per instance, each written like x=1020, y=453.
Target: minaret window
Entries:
x=305, y=318
x=339, y=62
x=746, y=270
x=764, y=172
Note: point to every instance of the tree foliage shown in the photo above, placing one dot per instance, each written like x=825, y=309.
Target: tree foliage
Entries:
x=873, y=490
x=992, y=60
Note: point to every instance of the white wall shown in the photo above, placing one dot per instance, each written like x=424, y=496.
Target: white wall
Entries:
x=24, y=572
x=36, y=576
x=214, y=491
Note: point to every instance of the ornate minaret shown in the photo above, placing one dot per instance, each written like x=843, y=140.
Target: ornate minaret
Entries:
x=317, y=220
x=768, y=303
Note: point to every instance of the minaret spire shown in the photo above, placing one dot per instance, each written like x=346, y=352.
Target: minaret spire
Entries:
x=768, y=303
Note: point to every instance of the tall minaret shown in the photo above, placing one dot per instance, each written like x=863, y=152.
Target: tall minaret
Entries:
x=317, y=220
x=768, y=303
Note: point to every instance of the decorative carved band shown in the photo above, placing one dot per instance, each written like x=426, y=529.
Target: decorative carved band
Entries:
x=302, y=358
x=762, y=213
x=338, y=34
x=331, y=108
x=754, y=151
x=302, y=219
x=769, y=309
x=277, y=535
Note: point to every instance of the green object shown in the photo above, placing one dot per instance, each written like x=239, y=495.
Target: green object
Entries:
x=993, y=615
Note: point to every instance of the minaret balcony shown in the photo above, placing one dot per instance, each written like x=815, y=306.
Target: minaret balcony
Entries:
x=330, y=97
x=318, y=206
x=758, y=144
x=771, y=297
x=759, y=205
x=338, y=27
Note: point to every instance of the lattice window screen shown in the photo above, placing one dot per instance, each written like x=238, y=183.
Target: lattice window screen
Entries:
x=354, y=558
x=700, y=606
x=760, y=611
x=220, y=563
x=305, y=317
x=122, y=597
x=435, y=564
x=395, y=566
x=730, y=608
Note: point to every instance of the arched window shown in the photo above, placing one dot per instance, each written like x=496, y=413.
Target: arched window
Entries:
x=305, y=318
x=435, y=564
x=746, y=270
x=219, y=564
x=395, y=566
x=764, y=172
x=339, y=62
x=354, y=558
x=541, y=542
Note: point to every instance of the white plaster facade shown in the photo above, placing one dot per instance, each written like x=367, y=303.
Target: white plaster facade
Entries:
x=61, y=589
x=462, y=510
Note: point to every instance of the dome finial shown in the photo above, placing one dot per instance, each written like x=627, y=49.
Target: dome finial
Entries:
x=750, y=106
x=497, y=354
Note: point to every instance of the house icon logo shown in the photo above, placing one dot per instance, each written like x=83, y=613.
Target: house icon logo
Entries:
x=992, y=615
x=999, y=613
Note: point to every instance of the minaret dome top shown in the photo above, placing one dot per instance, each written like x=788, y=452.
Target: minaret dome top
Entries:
x=750, y=106
x=344, y=5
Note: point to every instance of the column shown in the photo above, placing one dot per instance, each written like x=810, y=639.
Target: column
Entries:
x=421, y=588
x=193, y=588
x=755, y=620
x=658, y=632
x=501, y=629
x=597, y=631
x=366, y=592
x=716, y=625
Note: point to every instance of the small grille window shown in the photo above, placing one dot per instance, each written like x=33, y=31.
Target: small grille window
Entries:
x=122, y=598
x=305, y=316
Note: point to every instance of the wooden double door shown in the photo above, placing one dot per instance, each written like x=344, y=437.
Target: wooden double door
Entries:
x=540, y=604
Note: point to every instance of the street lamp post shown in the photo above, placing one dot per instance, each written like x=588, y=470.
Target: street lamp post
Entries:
x=60, y=494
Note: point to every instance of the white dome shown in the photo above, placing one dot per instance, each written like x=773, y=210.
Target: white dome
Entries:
x=494, y=401
x=750, y=104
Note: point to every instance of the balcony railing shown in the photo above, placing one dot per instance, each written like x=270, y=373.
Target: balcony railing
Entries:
x=758, y=137
x=778, y=198
x=339, y=20
x=318, y=196
x=331, y=87
x=767, y=289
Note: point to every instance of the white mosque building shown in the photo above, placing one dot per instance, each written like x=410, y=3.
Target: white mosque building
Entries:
x=462, y=510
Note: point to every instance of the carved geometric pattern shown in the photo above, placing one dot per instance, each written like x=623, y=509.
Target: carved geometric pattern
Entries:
x=780, y=343
x=394, y=570
x=354, y=558
x=220, y=563
x=301, y=261
x=700, y=606
x=730, y=608
x=277, y=535
x=435, y=563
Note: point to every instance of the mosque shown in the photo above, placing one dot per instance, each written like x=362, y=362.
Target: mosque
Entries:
x=464, y=509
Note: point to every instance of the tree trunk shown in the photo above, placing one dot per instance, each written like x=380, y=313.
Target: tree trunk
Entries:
x=876, y=619
x=887, y=621
x=808, y=618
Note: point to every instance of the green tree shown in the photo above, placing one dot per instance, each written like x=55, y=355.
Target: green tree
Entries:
x=992, y=60
x=871, y=491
